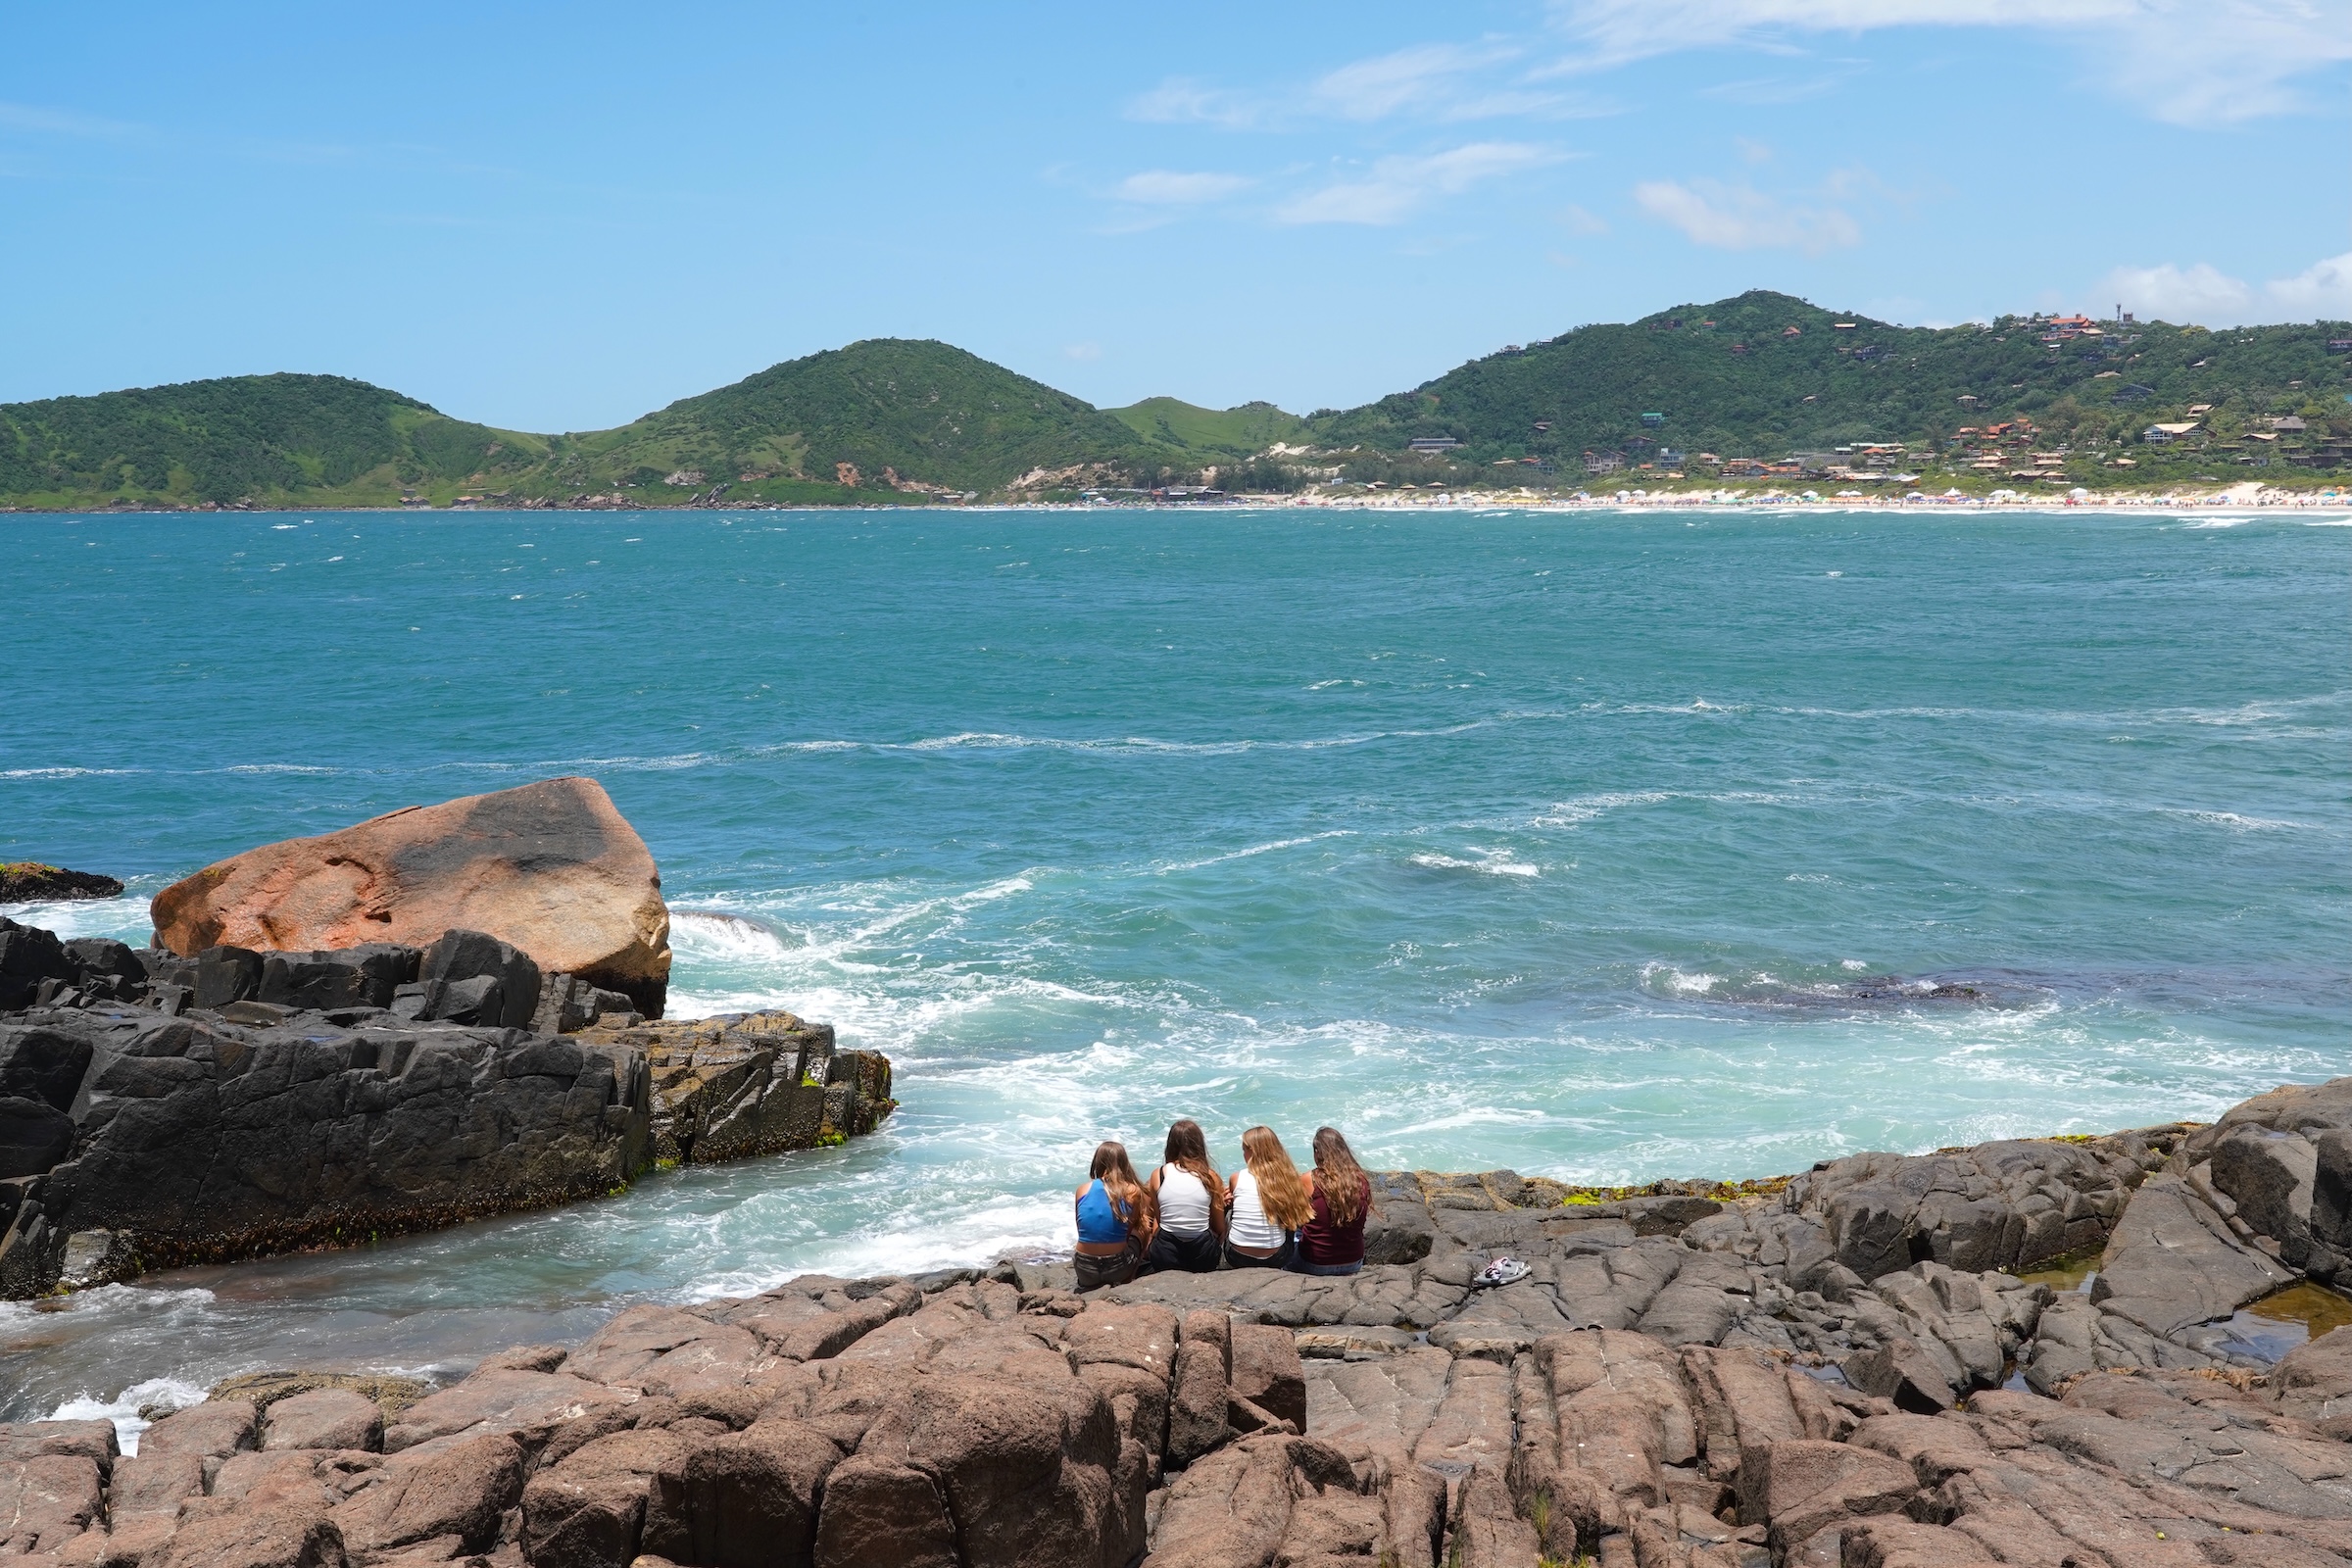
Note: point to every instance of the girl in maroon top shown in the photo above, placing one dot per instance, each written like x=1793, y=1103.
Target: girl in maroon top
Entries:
x=1332, y=1241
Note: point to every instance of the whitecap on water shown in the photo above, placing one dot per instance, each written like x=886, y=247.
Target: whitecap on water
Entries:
x=1489, y=862
x=717, y=937
x=125, y=1409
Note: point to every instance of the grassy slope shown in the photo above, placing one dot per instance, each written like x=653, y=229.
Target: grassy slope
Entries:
x=1215, y=432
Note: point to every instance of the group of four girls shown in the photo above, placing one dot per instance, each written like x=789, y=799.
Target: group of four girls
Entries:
x=1265, y=1216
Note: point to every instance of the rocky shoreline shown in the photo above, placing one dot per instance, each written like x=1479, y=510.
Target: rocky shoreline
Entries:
x=157, y=1111
x=1850, y=1367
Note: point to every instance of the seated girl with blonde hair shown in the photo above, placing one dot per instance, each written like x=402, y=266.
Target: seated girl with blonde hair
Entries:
x=1266, y=1203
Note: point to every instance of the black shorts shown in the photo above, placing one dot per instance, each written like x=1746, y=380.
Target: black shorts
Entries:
x=1283, y=1254
x=1189, y=1255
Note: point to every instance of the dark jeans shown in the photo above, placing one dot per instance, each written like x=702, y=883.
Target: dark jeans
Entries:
x=1300, y=1265
x=1095, y=1272
x=1283, y=1254
x=1190, y=1254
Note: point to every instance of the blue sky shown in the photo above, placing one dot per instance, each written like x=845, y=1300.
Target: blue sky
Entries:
x=561, y=216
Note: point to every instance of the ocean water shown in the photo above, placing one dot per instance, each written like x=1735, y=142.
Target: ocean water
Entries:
x=1603, y=846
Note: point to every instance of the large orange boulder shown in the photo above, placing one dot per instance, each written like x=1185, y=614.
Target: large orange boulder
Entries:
x=551, y=868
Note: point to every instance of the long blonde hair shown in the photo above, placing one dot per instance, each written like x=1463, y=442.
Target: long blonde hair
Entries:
x=1281, y=1192
x=1129, y=1196
x=1340, y=1180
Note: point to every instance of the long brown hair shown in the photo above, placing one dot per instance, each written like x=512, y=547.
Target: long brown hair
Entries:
x=1188, y=1151
x=1128, y=1195
x=1281, y=1192
x=1340, y=1180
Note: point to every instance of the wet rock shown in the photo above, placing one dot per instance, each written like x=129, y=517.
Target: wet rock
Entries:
x=29, y=881
x=746, y=1084
x=193, y=1139
x=550, y=868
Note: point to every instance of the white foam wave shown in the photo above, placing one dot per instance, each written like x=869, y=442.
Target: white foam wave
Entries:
x=722, y=938
x=1491, y=863
x=1254, y=850
x=69, y=772
x=1670, y=978
x=1590, y=807
x=123, y=1408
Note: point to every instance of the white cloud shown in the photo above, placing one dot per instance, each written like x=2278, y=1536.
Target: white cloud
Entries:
x=2210, y=297
x=2201, y=293
x=2191, y=62
x=1081, y=350
x=1736, y=218
x=1439, y=81
x=1580, y=221
x=1180, y=100
x=1400, y=186
x=1166, y=187
x=2321, y=291
x=1443, y=82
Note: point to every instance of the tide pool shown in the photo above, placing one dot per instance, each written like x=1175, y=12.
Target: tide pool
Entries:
x=1601, y=846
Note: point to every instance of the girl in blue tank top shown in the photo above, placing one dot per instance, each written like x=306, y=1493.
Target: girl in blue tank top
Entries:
x=1116, y=1216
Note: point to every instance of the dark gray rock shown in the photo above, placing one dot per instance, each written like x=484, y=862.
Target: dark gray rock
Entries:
x=475, y=979
x=28, y=956
x=366, y=976
x=2174, y=1262
x=198, y=1139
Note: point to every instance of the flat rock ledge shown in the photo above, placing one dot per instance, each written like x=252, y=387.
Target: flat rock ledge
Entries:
x=158, y=1110
x=1840, y=1372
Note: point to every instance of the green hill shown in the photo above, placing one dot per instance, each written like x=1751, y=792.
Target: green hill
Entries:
x=1733, y=379
x=1214, y=432
x=262, y=436
x=885, y=419
x=1763, y=375
x=923, y=412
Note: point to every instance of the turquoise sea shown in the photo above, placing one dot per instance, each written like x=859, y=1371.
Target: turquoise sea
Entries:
x=1605, y=845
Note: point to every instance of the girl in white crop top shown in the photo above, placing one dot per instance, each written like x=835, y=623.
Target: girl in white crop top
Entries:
x=1191, y=1204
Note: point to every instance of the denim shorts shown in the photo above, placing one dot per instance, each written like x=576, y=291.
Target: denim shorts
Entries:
x=1095, y=1272
x=1302, y=1266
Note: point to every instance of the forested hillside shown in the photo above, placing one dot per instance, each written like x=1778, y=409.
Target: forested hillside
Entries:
x=1765, y=374
x=262, y=436
x=1760, y=376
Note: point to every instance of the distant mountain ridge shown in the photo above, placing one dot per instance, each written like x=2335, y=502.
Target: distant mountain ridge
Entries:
x=905, y=420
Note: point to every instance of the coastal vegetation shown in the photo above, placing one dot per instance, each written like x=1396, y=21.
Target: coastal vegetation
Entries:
x=1762, y=387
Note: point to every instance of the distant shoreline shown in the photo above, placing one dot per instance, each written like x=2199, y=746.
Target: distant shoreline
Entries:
x=1472, y=501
